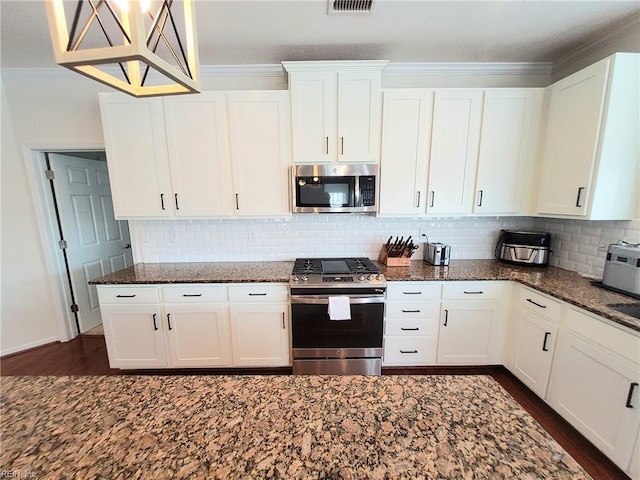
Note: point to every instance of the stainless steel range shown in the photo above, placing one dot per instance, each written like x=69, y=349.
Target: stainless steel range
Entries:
x=337, y=312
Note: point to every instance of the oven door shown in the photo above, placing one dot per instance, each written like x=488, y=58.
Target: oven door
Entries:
x=315, y=335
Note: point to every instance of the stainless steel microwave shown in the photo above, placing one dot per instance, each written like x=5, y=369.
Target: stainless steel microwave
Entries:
x=334, y=188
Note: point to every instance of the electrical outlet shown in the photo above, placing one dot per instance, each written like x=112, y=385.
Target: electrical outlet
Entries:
x=424, y=234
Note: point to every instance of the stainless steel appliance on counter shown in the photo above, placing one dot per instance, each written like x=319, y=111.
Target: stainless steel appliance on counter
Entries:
x=437, y=253
x=347, y=340
x=528, y=248
x=334, y=188
x=622, y=269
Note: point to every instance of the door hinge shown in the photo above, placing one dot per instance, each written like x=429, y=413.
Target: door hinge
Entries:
x=50, y=174
x=62, y=244
x=74, y=308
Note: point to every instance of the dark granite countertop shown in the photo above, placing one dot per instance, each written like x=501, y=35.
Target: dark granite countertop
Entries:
x=259, y=427
x=557, y=282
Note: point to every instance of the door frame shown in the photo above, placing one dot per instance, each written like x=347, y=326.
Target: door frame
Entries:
x=34, y=161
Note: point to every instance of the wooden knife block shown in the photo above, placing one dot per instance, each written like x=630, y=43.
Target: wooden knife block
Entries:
x=393, y=261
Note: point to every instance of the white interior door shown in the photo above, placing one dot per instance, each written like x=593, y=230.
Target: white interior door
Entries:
x=97, y=243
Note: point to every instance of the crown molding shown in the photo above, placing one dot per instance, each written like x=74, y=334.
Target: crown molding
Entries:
x=471, y=68
x=613, y=34
x=257, y=70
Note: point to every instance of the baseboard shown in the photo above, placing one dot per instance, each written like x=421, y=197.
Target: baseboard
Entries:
x=29, y=346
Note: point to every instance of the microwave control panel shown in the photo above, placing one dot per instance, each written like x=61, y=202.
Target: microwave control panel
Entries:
x=368, y=190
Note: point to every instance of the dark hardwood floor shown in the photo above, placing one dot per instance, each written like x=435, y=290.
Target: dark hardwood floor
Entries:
x=87, y=355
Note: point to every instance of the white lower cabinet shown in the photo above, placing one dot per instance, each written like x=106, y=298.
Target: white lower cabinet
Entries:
x=594, y=384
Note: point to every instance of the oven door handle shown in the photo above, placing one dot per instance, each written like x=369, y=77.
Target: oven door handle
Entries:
x=324, y=300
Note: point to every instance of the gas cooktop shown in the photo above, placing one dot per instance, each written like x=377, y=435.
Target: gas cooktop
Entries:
x=331, y=272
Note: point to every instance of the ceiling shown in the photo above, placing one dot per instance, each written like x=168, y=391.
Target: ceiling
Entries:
x=241, y=32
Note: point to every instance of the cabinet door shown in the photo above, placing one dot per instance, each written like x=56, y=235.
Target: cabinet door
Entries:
x=198, y=147
x=359, y=106
x=454, y=151
x=535, y=340
x=406, y=138
x=259, y=126
x=136, y=155
x=510, y=120
x=573, y=125
x=198, y=335
x=260, y=334
x=466, y=333
x=134, y=336
x=594, y=391
x=313, y=116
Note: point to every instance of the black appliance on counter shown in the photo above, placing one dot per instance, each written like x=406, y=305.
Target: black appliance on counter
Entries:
x=525, y=248
x=351, y=345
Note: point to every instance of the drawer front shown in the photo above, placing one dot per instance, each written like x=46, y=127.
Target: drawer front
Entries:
x=259, y=292
x=472, y=291
x=412, y=310
x=540, y=304
x=194, y=293
x=409, y=350
x=403, y=327
x=413, y=291
x=127, y=295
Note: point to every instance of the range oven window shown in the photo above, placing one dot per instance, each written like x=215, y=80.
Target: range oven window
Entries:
x=313, y=329
x=326, y=191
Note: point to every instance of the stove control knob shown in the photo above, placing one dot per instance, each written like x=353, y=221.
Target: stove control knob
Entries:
x=304, y=278
x=294, y=278
x=370, y=277
x=361, y=277
x=379, y=277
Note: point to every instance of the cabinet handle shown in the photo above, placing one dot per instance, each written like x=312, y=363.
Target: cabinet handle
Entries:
x=632, y=387
x=579, y=195
x=326, y=143
x=418, y=200
x=176, y=198
x=413, y=329
x=479, y=292
x=169, y=321
x=162, y=201
x=408, y=351
x=446, y=317
x=536, y=304
x=433, y=198
x=411, y=293
x=191, y=294
x=544, y=343
x=237, y=204
x=257, y=294
x=155, y=325
x=283, y=322
x=125, y=296
x=410, y=311
x=480, y=192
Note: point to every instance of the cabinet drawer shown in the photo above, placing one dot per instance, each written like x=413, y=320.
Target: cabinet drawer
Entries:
x=109, y=294
x=412, y=310
x=259, y=292
x=472, y=291
x=413, y=291
x=409, y=350
x=194, y=293
x=411, y=326
x=540, y=304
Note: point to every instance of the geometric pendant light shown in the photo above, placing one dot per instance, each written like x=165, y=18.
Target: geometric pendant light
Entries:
x=141, y=47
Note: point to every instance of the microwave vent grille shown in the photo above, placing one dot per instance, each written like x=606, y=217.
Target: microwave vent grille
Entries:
x=338, y=7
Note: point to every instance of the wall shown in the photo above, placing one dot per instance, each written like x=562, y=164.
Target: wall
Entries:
x=581, y=245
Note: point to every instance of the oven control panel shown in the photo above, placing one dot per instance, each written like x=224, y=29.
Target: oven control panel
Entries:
x=337, y=279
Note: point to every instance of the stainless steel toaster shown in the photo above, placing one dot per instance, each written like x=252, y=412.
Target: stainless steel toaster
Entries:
x=437, y=253
x=622, y=268
x=529, y=248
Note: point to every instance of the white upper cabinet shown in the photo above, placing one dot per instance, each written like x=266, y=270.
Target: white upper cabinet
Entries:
x=455, y=138
x=406, y=136
x=260, y=152
x=508, y=146
x=335, y=111
x=136, y=156
x=197, y=141
x=591, y=152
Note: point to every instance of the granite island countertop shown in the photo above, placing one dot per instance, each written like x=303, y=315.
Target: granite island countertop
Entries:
x=293, y=427
x=557, y=282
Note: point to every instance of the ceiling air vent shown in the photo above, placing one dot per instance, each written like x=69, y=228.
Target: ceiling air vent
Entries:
x=337, y=7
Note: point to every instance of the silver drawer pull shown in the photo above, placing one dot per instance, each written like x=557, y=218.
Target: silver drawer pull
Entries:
x=413, y=329
x=536, y=304
x=191, y=294
x=410, y=311
x=412, y=293
x=257, y=294
x=125, y=296
x=479, y=292
x=408, y=351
